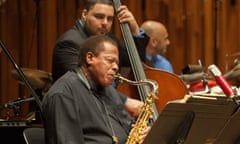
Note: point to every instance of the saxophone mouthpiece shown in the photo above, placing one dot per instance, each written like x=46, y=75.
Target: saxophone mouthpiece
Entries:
x=116, y=75
x=119, y=77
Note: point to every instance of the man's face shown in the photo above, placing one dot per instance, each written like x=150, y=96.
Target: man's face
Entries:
x=104, y=66
x=98, y=19
x=162, y=41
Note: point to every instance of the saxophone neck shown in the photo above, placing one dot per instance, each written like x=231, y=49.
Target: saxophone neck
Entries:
x=154, y=86
x=151, y=83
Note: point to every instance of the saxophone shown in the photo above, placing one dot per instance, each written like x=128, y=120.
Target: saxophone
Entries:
x=146, y=110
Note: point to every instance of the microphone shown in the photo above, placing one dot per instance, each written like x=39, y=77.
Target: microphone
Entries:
x=221, y=81
x=234, y=73
x=191, y=78
x=190, y=69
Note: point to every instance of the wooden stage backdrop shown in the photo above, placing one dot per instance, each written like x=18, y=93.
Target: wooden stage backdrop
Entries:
x=206, y=30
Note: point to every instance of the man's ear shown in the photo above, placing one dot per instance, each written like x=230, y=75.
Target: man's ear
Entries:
x=84, y=14
x=153, y=41
x=89, y=57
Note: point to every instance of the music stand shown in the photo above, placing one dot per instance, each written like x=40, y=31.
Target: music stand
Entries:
x=197, y=122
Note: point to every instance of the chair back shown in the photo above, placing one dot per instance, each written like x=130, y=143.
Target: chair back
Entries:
x=34, y=135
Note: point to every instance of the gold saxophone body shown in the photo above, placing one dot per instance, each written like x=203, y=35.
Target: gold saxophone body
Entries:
x=146, y=110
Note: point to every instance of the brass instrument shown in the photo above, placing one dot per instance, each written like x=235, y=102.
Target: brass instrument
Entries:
x=146, y=110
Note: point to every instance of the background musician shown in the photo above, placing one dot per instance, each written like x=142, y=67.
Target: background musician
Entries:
x=157, y=45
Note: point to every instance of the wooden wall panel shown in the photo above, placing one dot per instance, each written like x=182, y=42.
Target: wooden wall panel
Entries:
x=27, y=34
x=190, y=25
x=228, y=38
x=66, y=14
x=223, y=28
x=208, y=34
x=47, y=35
x=193, y=30
x=155, y=10
x=176, y=27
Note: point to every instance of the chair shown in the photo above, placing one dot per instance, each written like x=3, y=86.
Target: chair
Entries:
x=34, y=135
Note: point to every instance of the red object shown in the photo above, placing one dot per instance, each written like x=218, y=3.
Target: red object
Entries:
x=200, y=86
x=222, y=82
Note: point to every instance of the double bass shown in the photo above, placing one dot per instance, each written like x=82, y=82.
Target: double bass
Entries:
x=170, y=86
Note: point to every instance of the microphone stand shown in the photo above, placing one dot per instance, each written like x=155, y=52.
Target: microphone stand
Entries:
x=21, y=74
x=14, y=104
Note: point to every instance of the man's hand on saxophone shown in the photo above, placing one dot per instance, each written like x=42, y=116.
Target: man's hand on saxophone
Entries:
x=143, y=134
x=133, y=106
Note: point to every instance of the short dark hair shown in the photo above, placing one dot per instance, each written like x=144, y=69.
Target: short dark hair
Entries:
x=91, y=3
x=93, y=44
